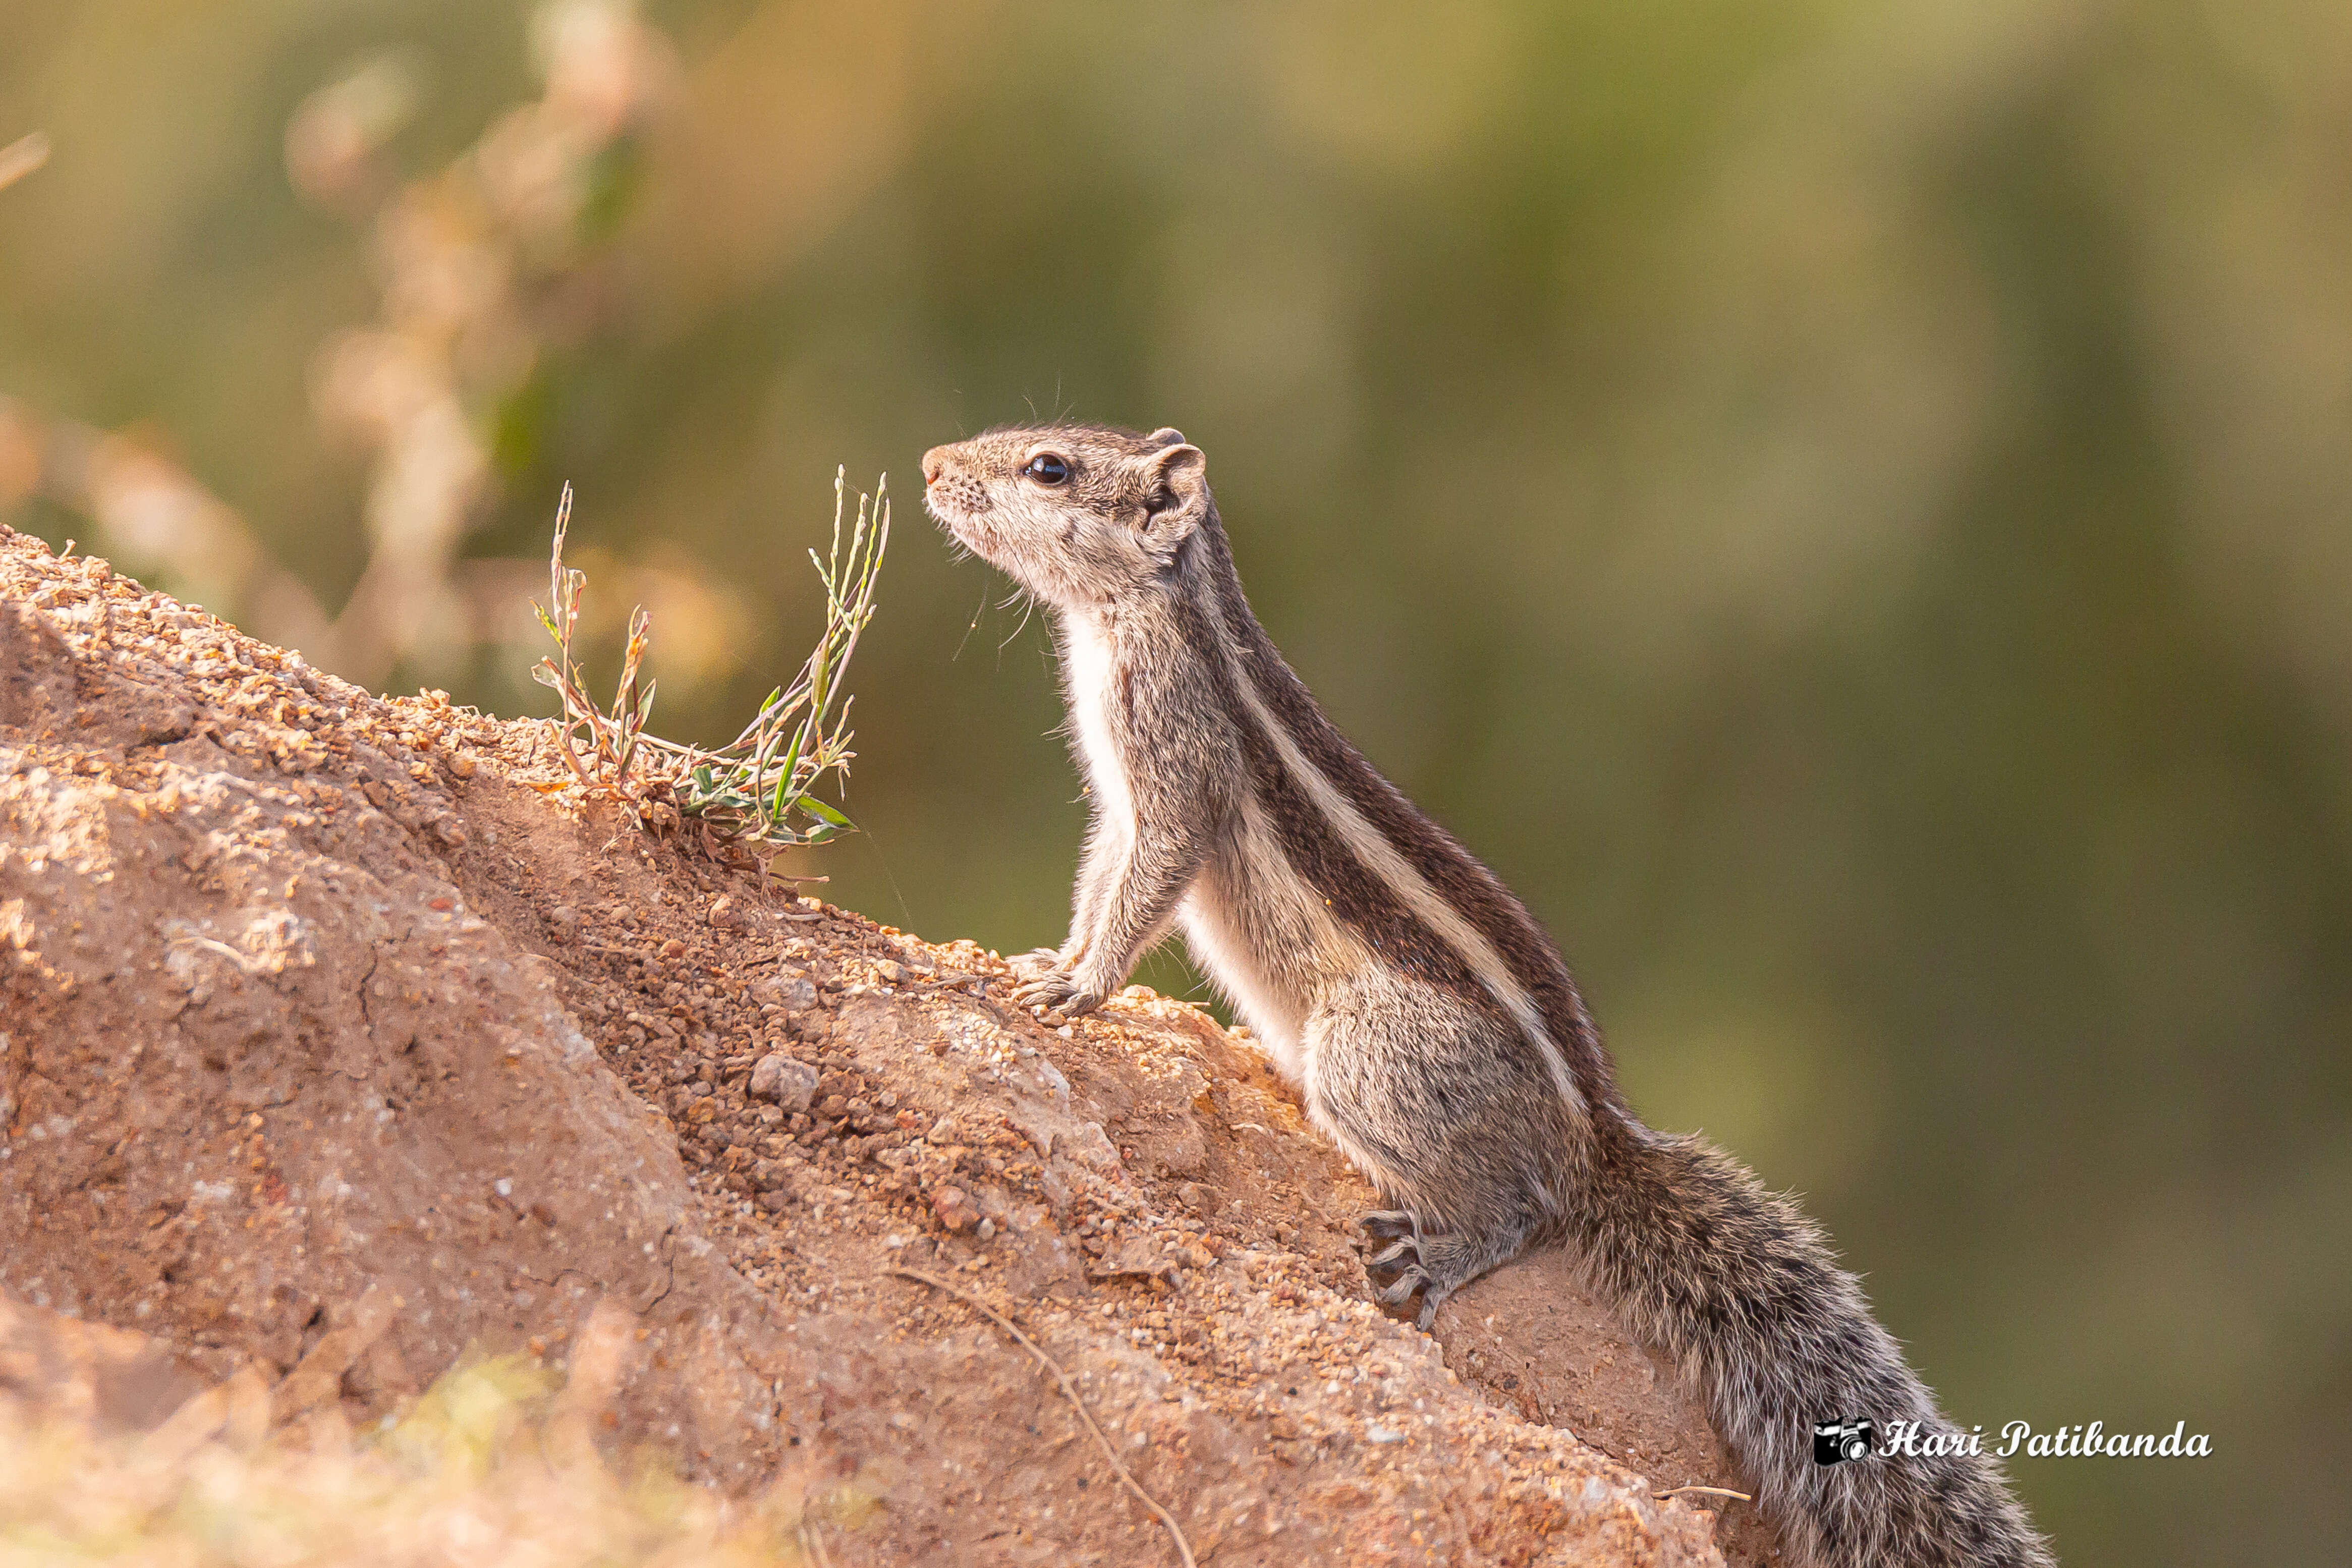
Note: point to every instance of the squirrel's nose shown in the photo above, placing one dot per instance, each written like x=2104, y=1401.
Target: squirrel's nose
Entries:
x=935, y=463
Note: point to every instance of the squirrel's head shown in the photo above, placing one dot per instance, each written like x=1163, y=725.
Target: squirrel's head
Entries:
x=1081, y=516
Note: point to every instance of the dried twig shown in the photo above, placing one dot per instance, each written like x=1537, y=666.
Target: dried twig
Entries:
x=611, y=740
x=1704, y=1491
x=1069, y=1391
x=22, y=156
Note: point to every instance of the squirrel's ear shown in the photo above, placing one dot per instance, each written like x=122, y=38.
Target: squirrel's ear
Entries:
x=1166, y=436
x=1180, y=493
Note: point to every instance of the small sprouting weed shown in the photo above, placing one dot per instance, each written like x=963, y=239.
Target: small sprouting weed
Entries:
x=755, y=796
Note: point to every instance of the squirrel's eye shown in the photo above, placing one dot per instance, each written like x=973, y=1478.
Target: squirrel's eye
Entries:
x=1047, y=468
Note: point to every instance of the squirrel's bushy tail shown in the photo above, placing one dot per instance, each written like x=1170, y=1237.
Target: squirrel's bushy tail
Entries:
x=1740, y=1290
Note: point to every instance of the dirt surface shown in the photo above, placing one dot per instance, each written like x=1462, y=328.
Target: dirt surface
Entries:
x=338, y=1035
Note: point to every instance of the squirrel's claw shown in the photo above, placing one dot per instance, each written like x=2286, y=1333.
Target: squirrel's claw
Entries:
x=1044, y=992
x=1401, y=1259
x=1057, y=991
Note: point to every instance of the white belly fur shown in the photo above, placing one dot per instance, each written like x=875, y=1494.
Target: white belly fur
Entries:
x=1087, y=670
x=1226, y=955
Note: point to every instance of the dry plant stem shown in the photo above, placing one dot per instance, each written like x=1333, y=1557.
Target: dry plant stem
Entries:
x=755, y=791
x=22, y=156
x=611, y=739
x=1704, y=1491
x=1069, y=1391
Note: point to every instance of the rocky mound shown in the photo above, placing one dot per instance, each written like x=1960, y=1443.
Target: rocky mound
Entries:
x=337, y=1036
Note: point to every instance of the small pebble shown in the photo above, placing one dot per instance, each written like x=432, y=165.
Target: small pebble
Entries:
x=785, y=1080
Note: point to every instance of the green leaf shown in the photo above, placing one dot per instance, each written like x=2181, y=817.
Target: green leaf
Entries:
x=825, y=813
x=784, y=777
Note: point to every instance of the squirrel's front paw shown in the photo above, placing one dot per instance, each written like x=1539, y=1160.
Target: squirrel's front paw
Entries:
x=1059, y=990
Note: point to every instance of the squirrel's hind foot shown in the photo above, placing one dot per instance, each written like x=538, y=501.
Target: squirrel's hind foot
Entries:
x=1431, y=1263
x=1414, y=1261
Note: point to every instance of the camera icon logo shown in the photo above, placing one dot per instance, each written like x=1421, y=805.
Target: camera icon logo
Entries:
x=1835, y=1442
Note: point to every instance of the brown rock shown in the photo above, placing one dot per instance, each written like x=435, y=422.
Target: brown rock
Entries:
x=784, y=1080
x=954, y=1207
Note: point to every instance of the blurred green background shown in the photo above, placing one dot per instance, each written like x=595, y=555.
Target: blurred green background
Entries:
x=1846, y=505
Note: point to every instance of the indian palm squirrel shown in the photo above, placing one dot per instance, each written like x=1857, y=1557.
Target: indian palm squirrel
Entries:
x=1429, y=1022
